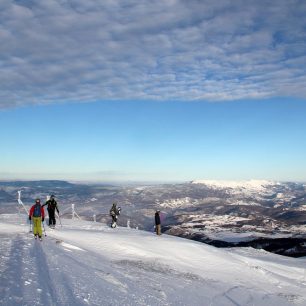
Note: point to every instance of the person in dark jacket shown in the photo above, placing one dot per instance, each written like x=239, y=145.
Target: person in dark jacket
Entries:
x=157, y=222
x=37, y=215
x=114, y=213
x=51, y=207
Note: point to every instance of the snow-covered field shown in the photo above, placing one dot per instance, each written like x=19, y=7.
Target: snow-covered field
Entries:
x=86, y=263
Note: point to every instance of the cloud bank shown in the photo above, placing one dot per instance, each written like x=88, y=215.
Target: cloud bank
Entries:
x=57, y=51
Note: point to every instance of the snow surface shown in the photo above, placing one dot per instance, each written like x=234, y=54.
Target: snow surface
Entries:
x=87, y=263
x=186, y=202
x=250, y=184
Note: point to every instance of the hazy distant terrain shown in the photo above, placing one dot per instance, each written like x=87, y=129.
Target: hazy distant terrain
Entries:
x=219, y=213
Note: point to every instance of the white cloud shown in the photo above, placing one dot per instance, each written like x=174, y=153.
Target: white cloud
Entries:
x=55, y=50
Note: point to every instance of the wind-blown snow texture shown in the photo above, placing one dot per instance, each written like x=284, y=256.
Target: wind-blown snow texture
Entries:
x=86, y=263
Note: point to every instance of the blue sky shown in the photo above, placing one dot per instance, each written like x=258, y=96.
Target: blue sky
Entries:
x=154, y=141
x=152, y=90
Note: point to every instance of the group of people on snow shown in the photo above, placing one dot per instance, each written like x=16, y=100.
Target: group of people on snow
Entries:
x=37, y=216
x=115, y=212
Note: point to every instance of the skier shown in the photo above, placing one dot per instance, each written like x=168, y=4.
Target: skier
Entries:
x=114, y=213
x=51, y=207
x=157, y=222
x=37, y=215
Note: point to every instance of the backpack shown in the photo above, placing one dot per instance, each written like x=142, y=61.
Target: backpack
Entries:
x=51, y=205
x=37, y=210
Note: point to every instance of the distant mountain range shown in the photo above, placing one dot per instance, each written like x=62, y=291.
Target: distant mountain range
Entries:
x=223, y=213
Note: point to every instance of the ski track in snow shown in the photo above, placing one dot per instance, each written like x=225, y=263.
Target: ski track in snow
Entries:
x=87, y=263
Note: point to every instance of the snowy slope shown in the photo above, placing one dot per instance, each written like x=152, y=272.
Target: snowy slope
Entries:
x=86, y=263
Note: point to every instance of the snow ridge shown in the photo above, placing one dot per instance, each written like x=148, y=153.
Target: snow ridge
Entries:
x=88, y=263
x=249, y=184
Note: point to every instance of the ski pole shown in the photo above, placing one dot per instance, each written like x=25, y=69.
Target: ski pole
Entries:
x=44, y=228
x=30, y=226
x=59, y=218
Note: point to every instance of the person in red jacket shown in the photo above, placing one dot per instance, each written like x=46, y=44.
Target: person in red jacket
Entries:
x=37, y=215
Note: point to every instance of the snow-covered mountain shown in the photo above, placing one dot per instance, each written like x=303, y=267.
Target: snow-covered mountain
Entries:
x=222, y=213
x=87, y=263
x=250, y=188
x=249, y=184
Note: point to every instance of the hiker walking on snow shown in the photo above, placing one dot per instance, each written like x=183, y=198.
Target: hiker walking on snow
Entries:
x=37, y=215
x=51, y=207
x=157, y=222
x=114, y=213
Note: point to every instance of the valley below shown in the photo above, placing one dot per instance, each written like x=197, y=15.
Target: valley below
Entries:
x=260, y=214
